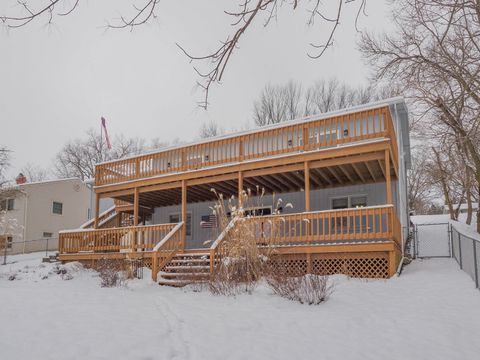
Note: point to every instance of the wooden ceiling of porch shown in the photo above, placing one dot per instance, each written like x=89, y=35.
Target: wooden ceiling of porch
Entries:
x=322, y=175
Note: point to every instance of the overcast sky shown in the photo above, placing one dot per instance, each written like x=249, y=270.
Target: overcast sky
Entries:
x=57, y=81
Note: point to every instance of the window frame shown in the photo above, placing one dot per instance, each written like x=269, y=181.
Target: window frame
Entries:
x=10, y=204
x=187, y=223
x=7, y=204
x=53, y=207
x=349, y=201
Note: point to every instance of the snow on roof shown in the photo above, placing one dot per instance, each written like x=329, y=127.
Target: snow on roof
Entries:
x=399, y=100
x=462, y=206
x=430, y=219
x=19, y=186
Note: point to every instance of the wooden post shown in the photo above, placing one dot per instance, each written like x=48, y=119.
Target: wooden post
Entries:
x=97, y=210
x=392, y=263
x=305, y=137
x=135, y=207
x=137, y=168
x=306, y=174
x=184, y=213
x=240, y=189
x=154, y=266
x=135, y=217
x=388, y=177
x=307, y=185
x=241, y=151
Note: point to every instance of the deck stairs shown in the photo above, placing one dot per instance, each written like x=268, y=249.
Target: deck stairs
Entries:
x=186, y=268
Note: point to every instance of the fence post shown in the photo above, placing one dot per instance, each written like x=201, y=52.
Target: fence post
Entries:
x=46, y=249
x=5, y=253
x=415, y=241
x=450, y=240
x=475, y=262
x=460, y=250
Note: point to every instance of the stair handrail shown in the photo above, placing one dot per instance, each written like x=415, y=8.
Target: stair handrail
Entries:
x=162, y=244
x=90, y=222
x=219, y=240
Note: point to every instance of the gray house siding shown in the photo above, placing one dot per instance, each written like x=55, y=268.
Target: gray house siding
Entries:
x=320, y=200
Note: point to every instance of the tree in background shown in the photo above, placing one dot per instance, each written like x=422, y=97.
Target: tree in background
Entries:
x=434, y=57
x=210, y=129
x=279, y=103
x=35, y=173
x=4, y=163
x=79, y=157
x=421, y=189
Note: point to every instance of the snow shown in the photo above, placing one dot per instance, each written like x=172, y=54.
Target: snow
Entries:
x=460, y=225
x=432, y=311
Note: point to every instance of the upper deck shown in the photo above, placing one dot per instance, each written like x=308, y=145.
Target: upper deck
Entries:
x=350, y=126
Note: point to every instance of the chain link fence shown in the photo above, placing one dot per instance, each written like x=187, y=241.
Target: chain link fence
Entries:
x=466, y=251
x=8, y=248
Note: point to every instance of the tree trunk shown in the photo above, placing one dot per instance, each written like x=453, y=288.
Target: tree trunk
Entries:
x=469, y=207
x=445, y=189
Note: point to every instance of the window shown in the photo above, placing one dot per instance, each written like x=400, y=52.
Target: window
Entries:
x=260, y=211
x=9, y=242
x=352, y=201
x=47, y=234
x=358, y=201
x=57, y=208
x=7, y=204
x=340, y=203
x=175, y=218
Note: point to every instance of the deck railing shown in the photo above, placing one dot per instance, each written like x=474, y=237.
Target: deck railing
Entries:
x=367, y=223
x=166, y=249
x=303, y=136
x=130, y=238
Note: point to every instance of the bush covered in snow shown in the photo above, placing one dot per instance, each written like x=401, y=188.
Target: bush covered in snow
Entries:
x=308, y=289
x=112, y=272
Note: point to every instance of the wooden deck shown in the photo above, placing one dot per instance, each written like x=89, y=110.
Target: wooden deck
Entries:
x=354, y=235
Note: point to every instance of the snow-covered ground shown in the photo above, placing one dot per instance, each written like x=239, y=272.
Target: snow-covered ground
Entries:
x=432, y=311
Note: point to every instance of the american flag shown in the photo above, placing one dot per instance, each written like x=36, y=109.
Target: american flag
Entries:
x=208, y=222
x=104, y=127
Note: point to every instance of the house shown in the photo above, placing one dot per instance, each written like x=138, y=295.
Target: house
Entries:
x=463, y=208
x=344, y=173
x=36, y=212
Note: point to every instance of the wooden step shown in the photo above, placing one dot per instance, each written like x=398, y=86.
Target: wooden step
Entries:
x=174, y=282
x=188, y=267
x=169, y=275
x=192, y=255
x=189, y=261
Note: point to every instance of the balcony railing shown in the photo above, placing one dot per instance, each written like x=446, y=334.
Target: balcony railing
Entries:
x=130, y=238
x=367, y=223
x=296, y=137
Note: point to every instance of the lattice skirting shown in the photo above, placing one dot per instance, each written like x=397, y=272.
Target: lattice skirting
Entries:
x=361, y=265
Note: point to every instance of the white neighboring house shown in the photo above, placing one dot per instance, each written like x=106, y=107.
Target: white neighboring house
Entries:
x=43, y=208
x=463, y=207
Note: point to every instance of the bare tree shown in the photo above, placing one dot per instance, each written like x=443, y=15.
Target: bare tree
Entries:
x=79, y=157
x=420, y=183
x=279, y=103
x=4, y=163
x=210, y=129
x=35, y=173
x=435, y=57
x=215, y=63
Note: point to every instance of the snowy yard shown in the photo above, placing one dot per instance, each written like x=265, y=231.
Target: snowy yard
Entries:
x=431, y=312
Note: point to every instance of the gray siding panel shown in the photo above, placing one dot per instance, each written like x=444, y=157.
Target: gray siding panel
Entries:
x=320, y=200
